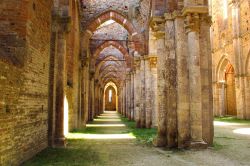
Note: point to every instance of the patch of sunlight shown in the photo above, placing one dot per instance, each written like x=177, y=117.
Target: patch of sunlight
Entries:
x=110, y=117
x=105, y=125
x=108, y=120
x=100, y=136
x=106, y=23
x=217, y=123
x=244, y=131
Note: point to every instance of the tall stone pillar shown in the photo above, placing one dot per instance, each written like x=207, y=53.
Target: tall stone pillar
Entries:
x=128, y=97
x=148, y=93
x=158, y=26
x=137, y=91
x=143, y=95
x=63, y=22
x=170, y=74
x=240, y=73
x=183, y=119
x=152, y=60
x=192, y=30
x=91, y=96
x=132, y=95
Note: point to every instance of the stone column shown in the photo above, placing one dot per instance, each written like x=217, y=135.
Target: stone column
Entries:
x=158, y=26
x=239, y=71
x=59, y=139
x=124, y=99
x=132, y=95
x=182, y=82
x=192, y=30
x=170, y=74
x=137, y=97
x=143, y=95
x=148, y=93
x=91, y=97
x=128, y=98
x=153, y=80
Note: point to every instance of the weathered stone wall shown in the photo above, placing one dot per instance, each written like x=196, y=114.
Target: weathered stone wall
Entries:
x=24, y=88
x=230, y=34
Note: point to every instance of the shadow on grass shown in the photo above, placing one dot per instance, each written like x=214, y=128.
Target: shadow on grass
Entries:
x=143, y=136
x=76, y=153
x=231, y=119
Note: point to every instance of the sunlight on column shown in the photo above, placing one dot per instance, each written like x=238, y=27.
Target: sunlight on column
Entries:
x=244, y=131
x=100, y=136
x=66, y=116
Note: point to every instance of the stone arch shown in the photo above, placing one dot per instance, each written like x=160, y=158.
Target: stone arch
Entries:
x=111, y=43
x=112, y=15
x=226, y=91
x=221, y=67
x=121, y=19
x=118, y=46
x=102, y=62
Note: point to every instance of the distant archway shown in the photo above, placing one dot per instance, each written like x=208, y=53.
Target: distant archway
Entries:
x=110, y=97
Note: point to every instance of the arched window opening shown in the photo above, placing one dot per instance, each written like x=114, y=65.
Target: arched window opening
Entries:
x=110, y=95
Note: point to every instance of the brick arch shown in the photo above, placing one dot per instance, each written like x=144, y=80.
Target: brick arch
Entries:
x=122, y=20
x=99, y=65
x=112, y=15
x=117, y=46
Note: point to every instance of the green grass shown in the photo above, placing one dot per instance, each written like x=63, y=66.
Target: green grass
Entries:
x=217, y=146
x=76, y=153
x=231, y=120
x=143, y=136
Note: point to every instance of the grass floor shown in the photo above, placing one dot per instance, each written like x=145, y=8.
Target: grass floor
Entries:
x=231, y=119
x=143, y=136
x=76, y=153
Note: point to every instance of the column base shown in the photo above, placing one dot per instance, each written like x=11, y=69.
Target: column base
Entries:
x=60, y=142
x=198, y=145
x=159, y=142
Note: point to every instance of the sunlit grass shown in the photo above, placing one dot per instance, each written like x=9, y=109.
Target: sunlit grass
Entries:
x=143, y=136
x=100, y=136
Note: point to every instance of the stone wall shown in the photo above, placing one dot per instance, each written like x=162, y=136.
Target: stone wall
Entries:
x=24, y=85
x=230, y=34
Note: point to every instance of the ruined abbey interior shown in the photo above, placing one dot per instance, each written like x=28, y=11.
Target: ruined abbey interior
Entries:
x=169, y=65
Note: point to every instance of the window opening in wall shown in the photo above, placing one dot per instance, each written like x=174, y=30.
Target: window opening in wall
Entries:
x=110, y=96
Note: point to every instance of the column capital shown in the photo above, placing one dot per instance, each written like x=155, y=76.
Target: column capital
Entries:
x=152, y=60
x=137, y=63
x=157, y=25
x=193, y=16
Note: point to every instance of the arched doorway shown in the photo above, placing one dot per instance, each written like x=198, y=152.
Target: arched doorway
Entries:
x=226, y=89
x=230, y=97
x=110, y=99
